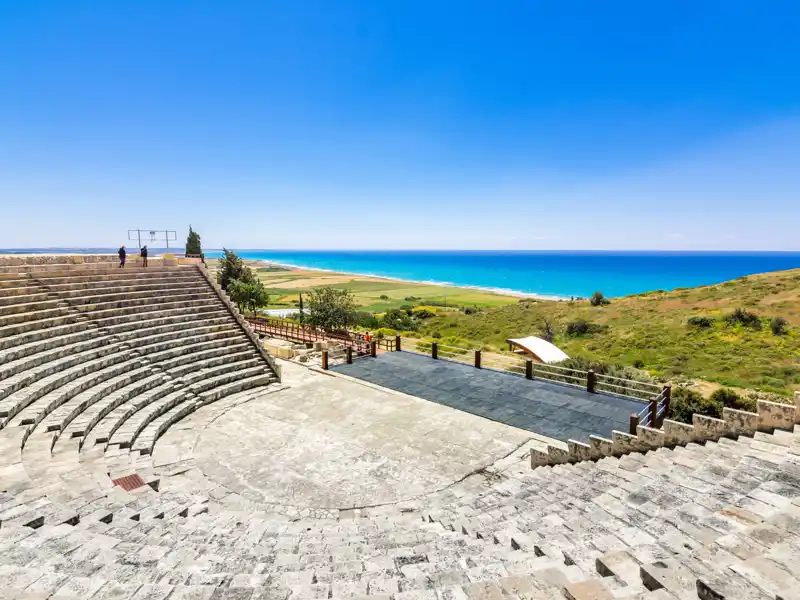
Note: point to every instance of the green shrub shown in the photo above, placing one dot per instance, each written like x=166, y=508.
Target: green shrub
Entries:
x=367, y=320
x=744, y=318
x=701, y=322
x=598, y=299
x=638, y=363
x=398, y=319
x=686, y=402
x=384, y=297
x=730, y=399
x=423, y=313
x=547, y=331
x=411, y=298
x=580, y=327
x=778, y=325
x=384, y=332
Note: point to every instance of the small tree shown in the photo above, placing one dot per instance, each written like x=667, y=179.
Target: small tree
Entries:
x=237, y=291
x=231, y=267
x=302, y=316
x=598, y=299
x=193, y=243
x=252, y=295
x=331, y=308
x=257, y=296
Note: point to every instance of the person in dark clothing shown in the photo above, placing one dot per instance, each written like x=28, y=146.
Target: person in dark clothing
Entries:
x=144, y=256
x=122, y=255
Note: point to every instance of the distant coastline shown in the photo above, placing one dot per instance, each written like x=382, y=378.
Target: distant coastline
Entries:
x=501, y=291
x=532, y=274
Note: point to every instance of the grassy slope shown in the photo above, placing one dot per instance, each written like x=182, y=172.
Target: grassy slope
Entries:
x=652, y=328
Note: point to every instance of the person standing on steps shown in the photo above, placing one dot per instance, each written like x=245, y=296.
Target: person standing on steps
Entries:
x=144, y=256
x=122, y=255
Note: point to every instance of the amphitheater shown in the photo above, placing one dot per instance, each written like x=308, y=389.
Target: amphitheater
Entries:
x=150, y=448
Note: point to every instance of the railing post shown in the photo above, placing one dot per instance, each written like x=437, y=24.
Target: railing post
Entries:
x=434, y=350
x=590, y=381
x=349, y=354
x=373, y=348
x=654, y=413
x=667, y=399
x=477, y=359
x=324, y=360
x=634, y=423
x=528, y=369
x=397, y=347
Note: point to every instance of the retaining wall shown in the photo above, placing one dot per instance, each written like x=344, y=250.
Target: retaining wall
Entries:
x=770, y=416
x=234, y=311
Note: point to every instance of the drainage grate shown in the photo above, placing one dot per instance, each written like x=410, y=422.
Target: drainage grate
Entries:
x=129, y=482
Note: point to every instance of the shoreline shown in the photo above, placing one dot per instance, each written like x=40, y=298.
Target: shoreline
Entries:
x=498, y=291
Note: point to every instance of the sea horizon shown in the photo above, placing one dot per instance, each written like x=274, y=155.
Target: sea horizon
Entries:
x=547, y=273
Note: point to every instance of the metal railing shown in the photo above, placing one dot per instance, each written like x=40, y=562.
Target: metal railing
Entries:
x=289, y=330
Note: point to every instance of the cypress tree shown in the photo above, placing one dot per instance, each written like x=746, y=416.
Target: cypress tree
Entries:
x=193, y=243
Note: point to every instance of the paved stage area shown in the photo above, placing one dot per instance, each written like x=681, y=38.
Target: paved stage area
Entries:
x=328, y=442
x=556, y=411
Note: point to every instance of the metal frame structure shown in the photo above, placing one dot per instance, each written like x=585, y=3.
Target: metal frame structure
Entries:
x=153, y=234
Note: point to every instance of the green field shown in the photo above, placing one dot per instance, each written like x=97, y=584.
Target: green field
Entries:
x=368, y=292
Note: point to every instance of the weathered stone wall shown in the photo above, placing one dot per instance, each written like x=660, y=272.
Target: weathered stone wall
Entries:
x=10, y=260
x=769, y=416
x=248, y=329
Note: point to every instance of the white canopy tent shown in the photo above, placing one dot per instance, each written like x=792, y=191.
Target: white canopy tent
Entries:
x=540, y=349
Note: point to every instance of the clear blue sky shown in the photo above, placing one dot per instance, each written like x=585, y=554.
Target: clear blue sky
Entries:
x=413, y=124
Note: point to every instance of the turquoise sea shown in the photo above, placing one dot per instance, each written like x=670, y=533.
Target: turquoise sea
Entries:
x=547, y=273
x=554, y=273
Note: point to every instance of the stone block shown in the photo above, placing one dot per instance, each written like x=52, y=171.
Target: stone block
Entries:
x=578, y=451
x=776, y=415
x=558, y=455
x=649, y=437
x=601, y=446
x=619, y=564
x=676, y=432
x=539, y=458
x=588, y=590
x=797, y=407
x=708, y=427
x=625, y=442
x=740, y=421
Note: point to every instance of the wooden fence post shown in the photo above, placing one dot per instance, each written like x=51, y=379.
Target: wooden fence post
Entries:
x=477, y=359
x=528, y=369
x=397, y=346
x=324, y=360
x=590, y=381
x=349, y=353
x=373, y=348
x=654, y=413
x=667, y=400
x=634, y=423
x=434, y=350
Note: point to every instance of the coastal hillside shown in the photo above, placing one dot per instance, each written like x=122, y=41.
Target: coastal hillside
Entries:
x=743, y=333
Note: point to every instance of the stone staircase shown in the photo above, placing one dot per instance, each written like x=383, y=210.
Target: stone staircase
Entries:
x=90, y=378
